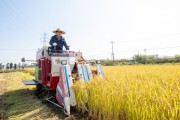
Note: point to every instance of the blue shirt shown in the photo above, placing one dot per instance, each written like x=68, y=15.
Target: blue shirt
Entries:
x=60, y=43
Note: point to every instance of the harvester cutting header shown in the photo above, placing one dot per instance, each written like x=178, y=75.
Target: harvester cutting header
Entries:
x=57, y=70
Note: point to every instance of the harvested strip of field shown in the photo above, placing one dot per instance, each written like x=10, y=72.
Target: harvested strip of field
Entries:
x=19, y=102
x=2, y=91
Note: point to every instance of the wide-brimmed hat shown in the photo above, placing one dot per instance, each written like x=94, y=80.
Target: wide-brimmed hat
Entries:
x=58, y=30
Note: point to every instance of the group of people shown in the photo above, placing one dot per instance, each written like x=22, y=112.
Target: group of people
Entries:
x=10, y=66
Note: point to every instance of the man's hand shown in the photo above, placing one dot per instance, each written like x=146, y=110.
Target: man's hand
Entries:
x=54, y=44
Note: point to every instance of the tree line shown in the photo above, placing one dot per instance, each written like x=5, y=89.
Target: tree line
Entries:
x=142, y=59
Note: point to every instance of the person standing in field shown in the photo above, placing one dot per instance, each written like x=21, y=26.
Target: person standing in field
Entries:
x=15, y=65
x=19, y=66
x=11, y=65
x=58, y=41
x=7, y=66
x=0, y=66
x=22, y=66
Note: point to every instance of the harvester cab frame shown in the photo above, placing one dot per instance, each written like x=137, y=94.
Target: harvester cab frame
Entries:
x=56, y=72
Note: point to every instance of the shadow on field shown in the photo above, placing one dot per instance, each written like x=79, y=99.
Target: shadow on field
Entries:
x=23, y=104
x=2, y=108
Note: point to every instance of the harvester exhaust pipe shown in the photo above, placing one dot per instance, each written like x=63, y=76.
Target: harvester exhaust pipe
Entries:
x=24, y=60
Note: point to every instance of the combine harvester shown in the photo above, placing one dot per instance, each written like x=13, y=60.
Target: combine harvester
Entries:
x=55, y=73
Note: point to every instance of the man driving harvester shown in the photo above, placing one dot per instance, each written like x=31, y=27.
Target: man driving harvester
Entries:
x=57, y=41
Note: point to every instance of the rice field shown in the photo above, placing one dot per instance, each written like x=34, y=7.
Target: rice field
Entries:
x=143, y=92
x=137, y=92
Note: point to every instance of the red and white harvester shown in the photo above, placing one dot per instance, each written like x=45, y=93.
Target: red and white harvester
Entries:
x=56, y=71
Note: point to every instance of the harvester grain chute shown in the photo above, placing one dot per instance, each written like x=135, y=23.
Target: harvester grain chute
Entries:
x=56, y=72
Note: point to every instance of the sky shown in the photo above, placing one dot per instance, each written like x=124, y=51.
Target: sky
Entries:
x=90, y=26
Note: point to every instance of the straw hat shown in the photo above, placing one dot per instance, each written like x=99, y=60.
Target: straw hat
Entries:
x=58, y=30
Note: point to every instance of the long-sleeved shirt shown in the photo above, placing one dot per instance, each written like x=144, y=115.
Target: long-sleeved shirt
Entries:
x=60, y=43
